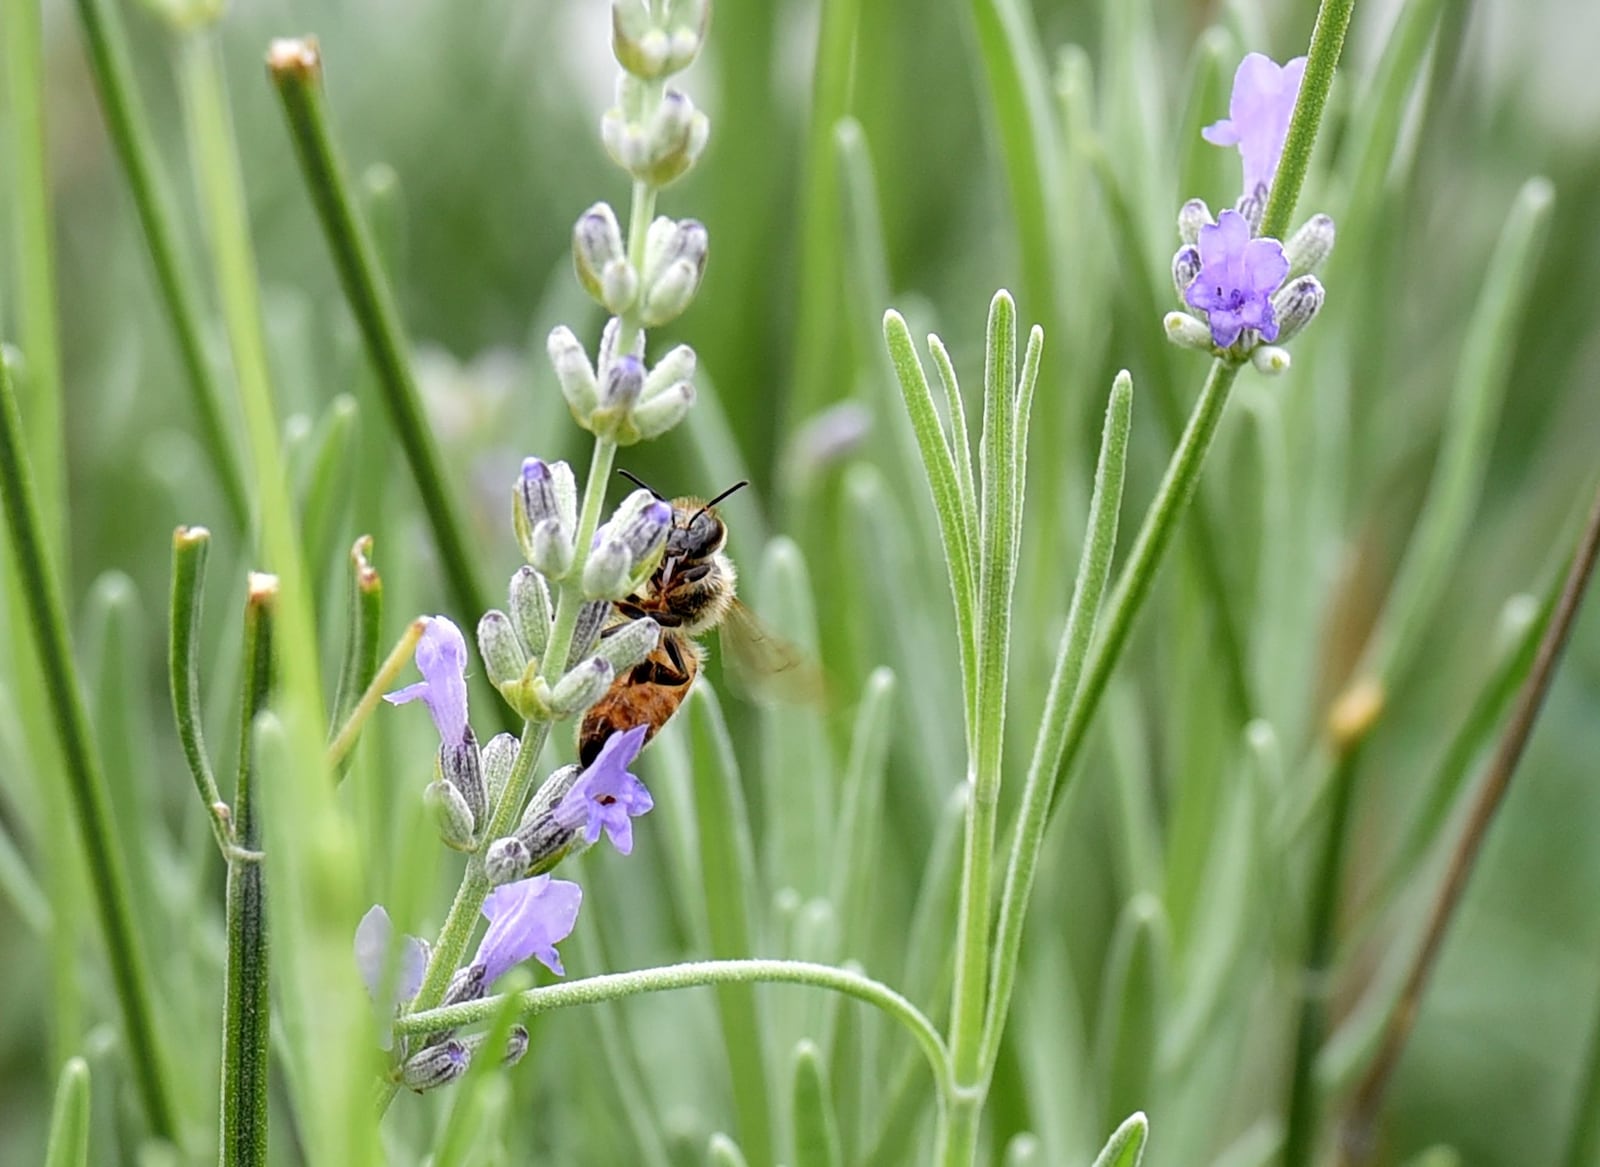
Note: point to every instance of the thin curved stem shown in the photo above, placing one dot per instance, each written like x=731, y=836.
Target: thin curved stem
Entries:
x=693, y=974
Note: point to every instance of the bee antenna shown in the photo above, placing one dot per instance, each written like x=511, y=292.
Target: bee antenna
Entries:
x=639, y=482
x=736, y=487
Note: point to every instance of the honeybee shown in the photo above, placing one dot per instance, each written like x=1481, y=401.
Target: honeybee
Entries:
x=691, y=592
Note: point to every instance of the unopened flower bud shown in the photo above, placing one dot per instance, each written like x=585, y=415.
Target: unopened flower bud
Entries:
x=686, y=25
x=625, y=645
x=550, y=550
x=1296, y=304
x=435, y=1066
x=498, y=758
x=664, y=147
x=626, y=546
x=459, y=766
x=1270, y=359
x=608, y=354
x=581, y=687
x=591, y=618
x=467, y=984
x=640, y=46
x=667, y=297
x=549, y=795
x=663, y=411
x=677, y=365
x=1185, y=266
x=505, y=860
x=596, y=245
x=530, y=610
x=502, y=651
x=624, y=382
x=1192, y=216
x=619, y=285
x=1187, y=332
x=574, y=373
x=516, y=1046
x=451, y=814
x=1309, y=246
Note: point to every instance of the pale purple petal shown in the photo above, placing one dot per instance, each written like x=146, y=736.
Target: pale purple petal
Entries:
x=605, y=796
x=527, y=918
x=1259, y=110
x=1265, y=265
x=442, y=660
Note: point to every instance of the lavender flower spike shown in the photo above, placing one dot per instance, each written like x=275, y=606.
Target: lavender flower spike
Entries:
x=1263, y=100
x=527, y=918
x=1236, y=280
x=442, y=661
x=607, y=797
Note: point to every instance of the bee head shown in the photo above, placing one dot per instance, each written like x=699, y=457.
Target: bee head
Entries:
x=697, y=532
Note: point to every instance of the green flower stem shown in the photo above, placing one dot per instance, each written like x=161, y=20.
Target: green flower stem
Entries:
x=190, y=546
x=382, y=679
x=296, y=70
x=692, y=974
x=1033, y=815
x=360, y=665
x=128, y=125
x=1150, y=544
x=1368, y=1098
x=20, y=28
x=1327, y=44
x=102, y=847
x=246, y=1013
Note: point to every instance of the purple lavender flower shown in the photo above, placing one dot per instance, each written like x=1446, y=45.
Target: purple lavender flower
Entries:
x=605, y=796
x=1263, y=100
x=1237, y=277
x=527, y=918
x=442, y=661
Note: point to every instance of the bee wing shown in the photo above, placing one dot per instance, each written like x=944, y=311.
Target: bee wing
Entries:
x=765, y=666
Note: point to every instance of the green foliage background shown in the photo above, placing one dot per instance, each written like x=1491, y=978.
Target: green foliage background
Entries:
x=483, y=117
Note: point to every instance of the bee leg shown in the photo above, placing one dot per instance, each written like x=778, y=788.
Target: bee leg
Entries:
x=673, y=671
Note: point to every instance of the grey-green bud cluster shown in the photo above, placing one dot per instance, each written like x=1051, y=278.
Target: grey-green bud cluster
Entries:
x=654, y=145
x=544, y=508
x=620, y=398
x=540, y=842
x=651, y=46
x=626, y=549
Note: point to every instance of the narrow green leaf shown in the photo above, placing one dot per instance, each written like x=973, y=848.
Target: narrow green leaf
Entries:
x=858, y=845
x=85, y=778
x=909, y=643
x=20, y=888
x=328, y=484
x=797, y=764
x=1126, y=1146
x=727, y=865
x=940, y=468
x=1458, y=475
x=1132, y=1006
x=1024, y=1150
x=465, y=1129
x=360, y=662
x=816, y=1130
x=69, y=1118
x=724, y=1152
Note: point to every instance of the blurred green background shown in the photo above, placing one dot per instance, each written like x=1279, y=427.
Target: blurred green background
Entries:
x=483, y=118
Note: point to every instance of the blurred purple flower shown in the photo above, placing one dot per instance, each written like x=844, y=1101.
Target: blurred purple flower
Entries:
x=1237, y=277
x=1263, y=100
x=442, y=661
x=605, y=796
x=374, y=936
x=527, y=918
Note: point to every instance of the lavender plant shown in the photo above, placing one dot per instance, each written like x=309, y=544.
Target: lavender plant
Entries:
x=1169, y=909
